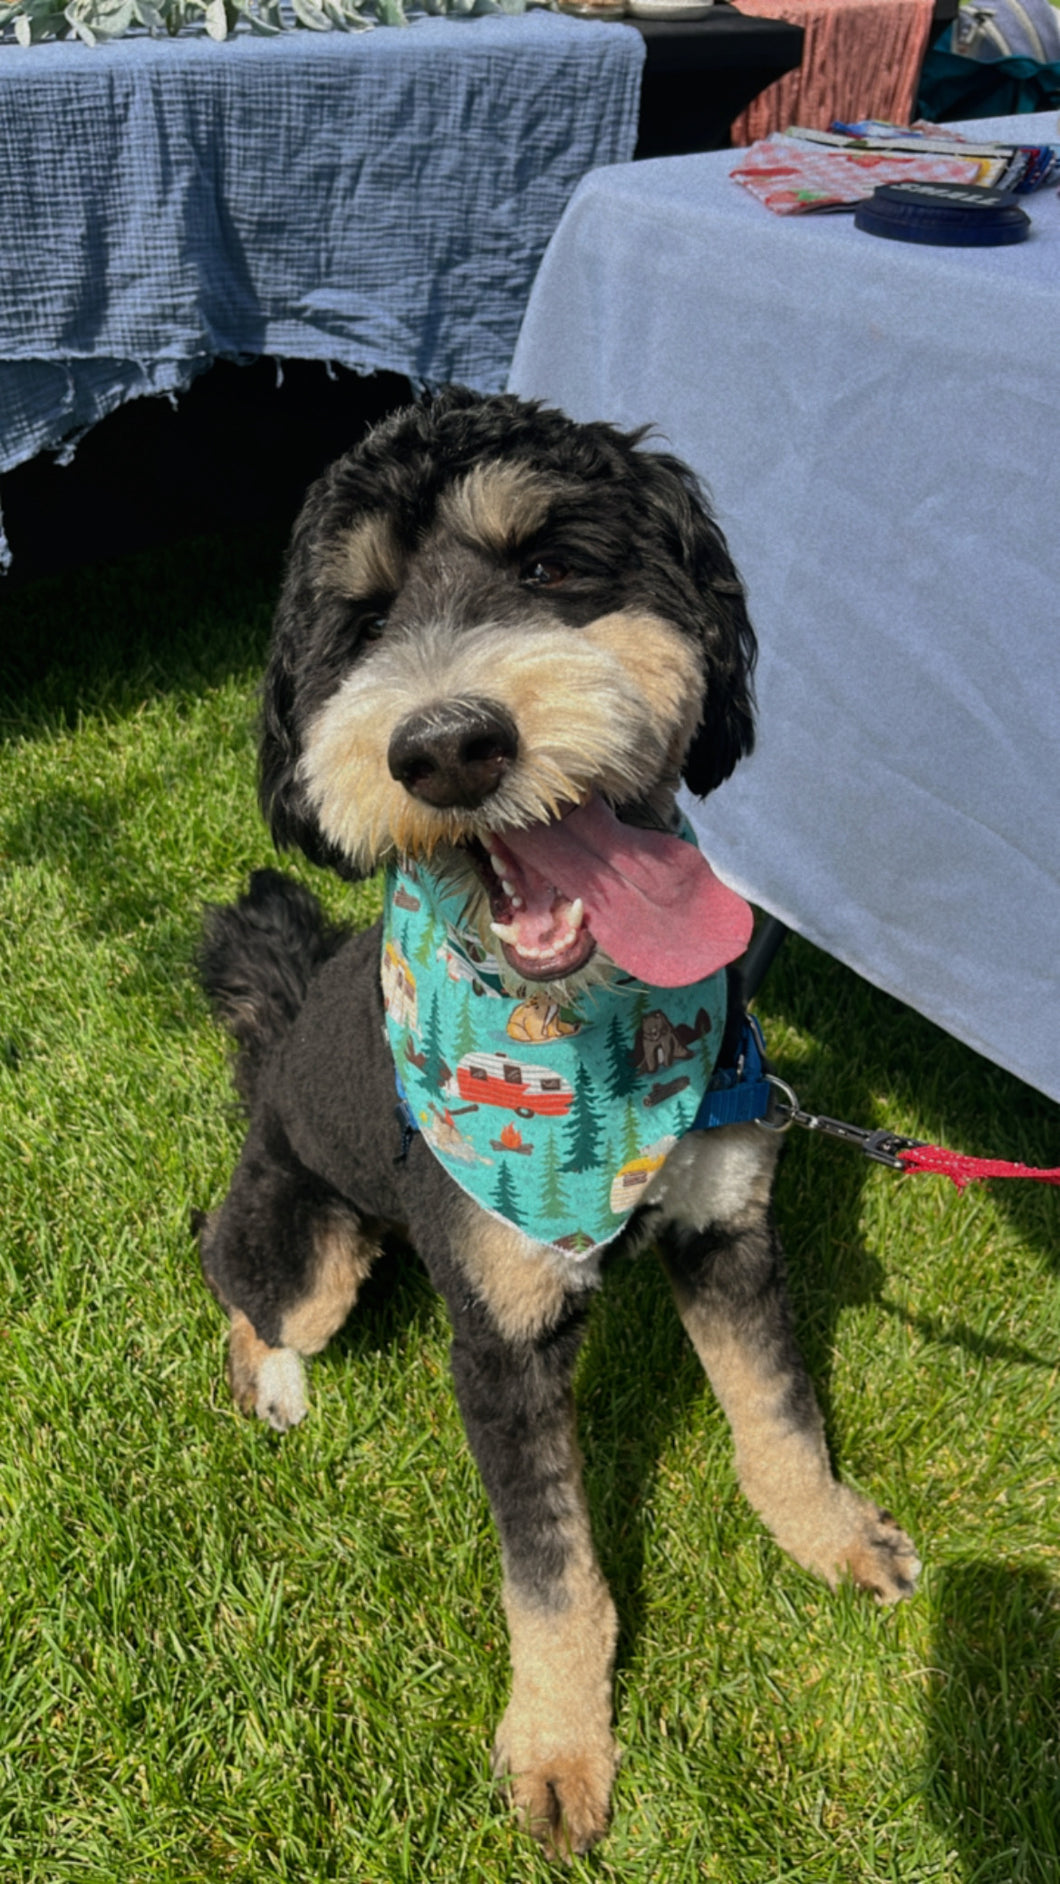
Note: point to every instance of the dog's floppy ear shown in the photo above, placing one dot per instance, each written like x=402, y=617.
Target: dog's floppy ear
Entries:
x=726, y=730
x=716, y=612
x=290, y=692
x=280, y=791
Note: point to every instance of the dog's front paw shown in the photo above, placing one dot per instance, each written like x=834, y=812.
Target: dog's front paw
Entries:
x=882, y=1558
x=280, y=1400
x=562, y=1797
x=267, y=1381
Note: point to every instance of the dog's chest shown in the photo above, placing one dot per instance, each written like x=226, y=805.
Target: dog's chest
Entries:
x=553, y=1117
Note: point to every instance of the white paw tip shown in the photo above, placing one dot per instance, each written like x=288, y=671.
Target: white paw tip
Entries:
x=281, y=1400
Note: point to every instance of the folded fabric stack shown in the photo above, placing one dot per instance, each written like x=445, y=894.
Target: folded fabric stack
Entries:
x=798, y=170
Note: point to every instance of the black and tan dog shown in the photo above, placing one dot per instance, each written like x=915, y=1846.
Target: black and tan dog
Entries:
x=502, y=637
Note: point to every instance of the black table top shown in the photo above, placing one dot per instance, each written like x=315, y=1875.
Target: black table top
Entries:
x=724, y=37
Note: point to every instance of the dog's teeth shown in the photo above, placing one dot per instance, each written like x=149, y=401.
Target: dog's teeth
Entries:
x=508, y=887
x=517, y=901
x=507, y=931
x=576, y=915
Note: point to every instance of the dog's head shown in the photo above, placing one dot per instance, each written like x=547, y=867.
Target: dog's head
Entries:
x=491, y=615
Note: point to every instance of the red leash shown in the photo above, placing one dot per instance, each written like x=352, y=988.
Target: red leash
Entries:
x=885, y=1147
x=962, y=1170
x=747, y=1089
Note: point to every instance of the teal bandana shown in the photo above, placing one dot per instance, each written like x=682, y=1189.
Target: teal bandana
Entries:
x=554, y=1118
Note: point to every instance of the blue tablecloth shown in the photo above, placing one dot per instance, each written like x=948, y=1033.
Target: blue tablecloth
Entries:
x=879, y=425
x=381, y=200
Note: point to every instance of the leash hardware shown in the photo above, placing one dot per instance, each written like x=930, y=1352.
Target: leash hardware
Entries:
x=885, y=1148
x=882, y=1146
x=781, y=1118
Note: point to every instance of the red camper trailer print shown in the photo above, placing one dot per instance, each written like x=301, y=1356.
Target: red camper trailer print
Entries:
x=491, y=1079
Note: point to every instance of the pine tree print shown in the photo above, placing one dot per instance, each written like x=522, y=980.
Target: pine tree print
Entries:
x=465, y=1032
x=432, y=1049
x=553, y=1202
x=631, y=1134
x=621, y=1072
x=505, y=1197
x=583, y=1131
x=708, y=1052
x=424, y=951
x=608, y=1167
x=641, y=1005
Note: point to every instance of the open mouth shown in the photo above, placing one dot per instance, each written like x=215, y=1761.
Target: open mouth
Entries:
x=542, y=932
x=650, y=901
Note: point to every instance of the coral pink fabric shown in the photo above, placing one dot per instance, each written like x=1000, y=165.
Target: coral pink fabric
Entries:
x=861, y=59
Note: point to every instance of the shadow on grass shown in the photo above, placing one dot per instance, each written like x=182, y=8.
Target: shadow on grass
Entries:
x=863, y=1043
x=105, y=638
x=101, y=839
x=994, y=1722
x=396, y=1299
x=638, y=1380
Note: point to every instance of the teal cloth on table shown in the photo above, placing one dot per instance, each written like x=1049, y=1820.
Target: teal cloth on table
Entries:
x=952, y=86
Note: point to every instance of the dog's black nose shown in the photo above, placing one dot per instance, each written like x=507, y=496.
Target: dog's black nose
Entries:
x=455, y=753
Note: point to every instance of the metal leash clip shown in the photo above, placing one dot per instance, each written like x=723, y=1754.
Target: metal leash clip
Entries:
x=879, y=1144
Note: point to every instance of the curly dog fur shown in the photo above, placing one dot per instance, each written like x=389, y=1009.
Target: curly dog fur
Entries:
x=489, y=615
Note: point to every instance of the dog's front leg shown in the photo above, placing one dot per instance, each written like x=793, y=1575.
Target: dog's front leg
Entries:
x=726, y=1267
x=515, y=1342
x=554, y=1742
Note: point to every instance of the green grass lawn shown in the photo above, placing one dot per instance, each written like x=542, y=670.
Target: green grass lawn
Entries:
x=224, y=1656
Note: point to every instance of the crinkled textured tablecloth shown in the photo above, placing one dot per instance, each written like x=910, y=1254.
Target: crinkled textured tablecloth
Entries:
x=381, y=200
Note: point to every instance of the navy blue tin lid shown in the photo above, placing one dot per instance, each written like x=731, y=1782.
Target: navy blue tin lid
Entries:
x=952, y=215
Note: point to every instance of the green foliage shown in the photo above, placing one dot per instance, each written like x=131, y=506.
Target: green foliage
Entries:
x=229, y=1659
x=97, y=21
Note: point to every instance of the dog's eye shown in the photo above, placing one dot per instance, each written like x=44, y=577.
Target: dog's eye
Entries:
x=370, y=621
x=544, y=572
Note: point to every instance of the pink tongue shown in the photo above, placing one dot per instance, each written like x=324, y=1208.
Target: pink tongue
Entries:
x=653, y=902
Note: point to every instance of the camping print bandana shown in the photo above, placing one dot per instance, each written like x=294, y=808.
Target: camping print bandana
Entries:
x=551, y=1117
